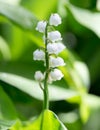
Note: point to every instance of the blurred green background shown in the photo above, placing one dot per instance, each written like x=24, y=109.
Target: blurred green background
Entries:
x=80, y=30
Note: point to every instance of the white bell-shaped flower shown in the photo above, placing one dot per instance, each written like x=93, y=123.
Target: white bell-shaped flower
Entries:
x=55, y=62
x=54, y=36
x=55, y=48
x=55, y=19
x=41, y=26
x=52, y=48
x=39, y=76
x=39, y=55
x=56, y=74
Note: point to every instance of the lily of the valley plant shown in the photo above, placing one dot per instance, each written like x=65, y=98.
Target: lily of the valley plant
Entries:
x=49, y=54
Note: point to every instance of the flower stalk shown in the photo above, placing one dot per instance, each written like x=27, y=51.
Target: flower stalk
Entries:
x=49, y=55
x=46, y=92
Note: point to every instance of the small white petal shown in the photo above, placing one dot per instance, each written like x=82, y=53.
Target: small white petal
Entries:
x=54, y=36
x=41, y=26
x=39, y=76
x=55, y=48
x=55, y=19
x=50, y=80
x=39, y=55
x=61, y=47
x=55, y=62
x=56, y=74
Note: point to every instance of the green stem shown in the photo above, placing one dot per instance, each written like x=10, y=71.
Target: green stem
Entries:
x=46, y=93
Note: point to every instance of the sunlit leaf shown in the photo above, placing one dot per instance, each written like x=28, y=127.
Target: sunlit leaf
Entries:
x=5, y=125
x=89, y=19
x=98, y=5
x=61, y=9
x=69, y=117
x=13, y=2
x=84, y=110
x=46, y=7
x=32, y=88
x=7, y=109
x=4, y=49
x=19, y=43
x=89, y=105
x=94, y=65
x=17, y=125
x=93, y=120
x=71, y=120
x=46, y=121
x=76, y=73
x=83, y=72
x=18, y=15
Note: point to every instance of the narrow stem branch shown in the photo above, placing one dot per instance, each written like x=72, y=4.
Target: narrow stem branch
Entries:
x=41, y=86
x=46, y=93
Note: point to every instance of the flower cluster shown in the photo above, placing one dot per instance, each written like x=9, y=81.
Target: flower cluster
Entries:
x=53, y=46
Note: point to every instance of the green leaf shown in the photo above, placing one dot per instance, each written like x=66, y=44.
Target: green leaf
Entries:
x=5, y=50
x=94, y=65
x=76, y=73
x=5, y=125
x=84, y=110
x=89, y=106
x=83, y=72
x=93, y=120
x=18, y=15
x=46, y=7
x=18, y=45
x=12, y=2
x=86, y=18
x=7, y=109
x=71, y=120
x=17, y=125
x=98, y=5
x=46, y=121
x=32, y=88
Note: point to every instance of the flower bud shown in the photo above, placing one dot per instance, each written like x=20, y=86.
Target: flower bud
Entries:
x=56, y=74
x=55, y=19
x=54, y=36
x=38, y=76
x=55, y=62
x=41, y=26
x=39, y=55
